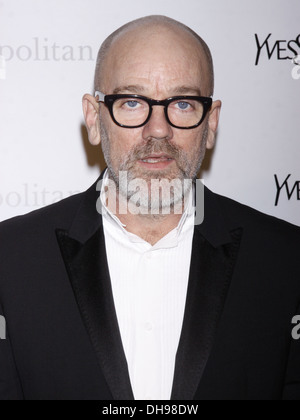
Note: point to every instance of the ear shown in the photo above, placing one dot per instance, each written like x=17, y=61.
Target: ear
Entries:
x=213, y=123
x=91, y=116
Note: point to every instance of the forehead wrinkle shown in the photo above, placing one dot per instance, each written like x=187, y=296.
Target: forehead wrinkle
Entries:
x=187, y=90
x=173, y=91
x=154, y=79
x=135, y=89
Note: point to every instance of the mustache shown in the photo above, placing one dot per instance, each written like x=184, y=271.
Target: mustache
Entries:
x=151, y=148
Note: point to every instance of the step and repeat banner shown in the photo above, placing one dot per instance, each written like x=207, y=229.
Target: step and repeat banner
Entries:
x=48, y=50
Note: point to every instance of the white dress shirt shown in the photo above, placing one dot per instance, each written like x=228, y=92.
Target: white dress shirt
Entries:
x=149, y=288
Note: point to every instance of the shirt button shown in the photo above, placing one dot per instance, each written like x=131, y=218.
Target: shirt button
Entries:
x=149, y=256
x=149, y=327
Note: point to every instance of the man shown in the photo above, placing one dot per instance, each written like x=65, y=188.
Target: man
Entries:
x=146, y=303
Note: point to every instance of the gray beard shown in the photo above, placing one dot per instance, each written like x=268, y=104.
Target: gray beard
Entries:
x=153, y=198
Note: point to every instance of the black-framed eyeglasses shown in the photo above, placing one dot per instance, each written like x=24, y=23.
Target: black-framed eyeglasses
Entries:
x=134, y=111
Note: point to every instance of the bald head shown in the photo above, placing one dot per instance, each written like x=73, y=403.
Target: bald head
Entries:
x=162, y=30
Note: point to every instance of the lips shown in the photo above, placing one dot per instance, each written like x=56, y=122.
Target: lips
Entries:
x=157, y=159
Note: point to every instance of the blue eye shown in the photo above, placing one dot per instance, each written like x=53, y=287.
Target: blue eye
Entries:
x=132, y=104
x=183, y=106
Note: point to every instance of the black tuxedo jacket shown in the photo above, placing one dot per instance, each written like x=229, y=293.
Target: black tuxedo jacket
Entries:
x=63, y=339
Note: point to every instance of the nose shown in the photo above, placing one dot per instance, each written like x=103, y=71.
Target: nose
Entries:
x=158, y=127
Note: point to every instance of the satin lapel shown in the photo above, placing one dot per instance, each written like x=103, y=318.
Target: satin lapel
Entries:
x=89, y=275
x=210, y=276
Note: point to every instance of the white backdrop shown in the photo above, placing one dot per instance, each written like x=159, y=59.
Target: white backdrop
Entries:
x=47, y=56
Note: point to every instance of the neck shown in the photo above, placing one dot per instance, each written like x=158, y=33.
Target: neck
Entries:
x=151, y=228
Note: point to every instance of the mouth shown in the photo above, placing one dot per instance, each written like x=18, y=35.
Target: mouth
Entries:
x=156, y=161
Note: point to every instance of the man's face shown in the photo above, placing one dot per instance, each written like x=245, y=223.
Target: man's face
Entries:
x=157, y=64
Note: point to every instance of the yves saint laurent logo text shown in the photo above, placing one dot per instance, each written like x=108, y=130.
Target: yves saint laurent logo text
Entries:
x=277, y=49
x=287, y=189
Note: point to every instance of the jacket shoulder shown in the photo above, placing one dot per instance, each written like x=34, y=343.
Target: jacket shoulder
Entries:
x=239, y=214
x=60, y=214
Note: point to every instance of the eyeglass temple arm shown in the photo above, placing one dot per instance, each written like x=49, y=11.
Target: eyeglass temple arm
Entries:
x=100, y=95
